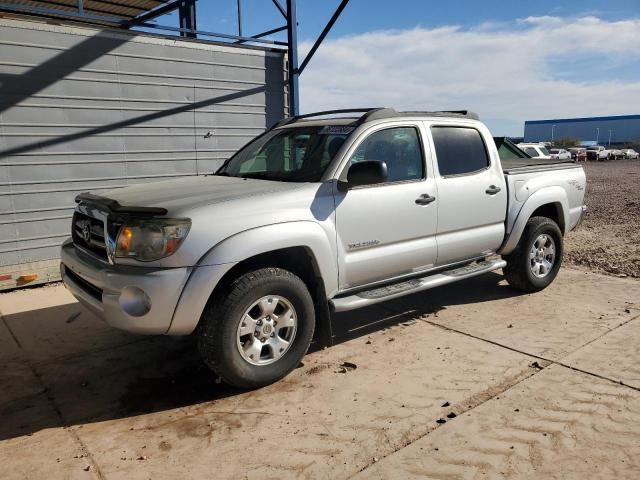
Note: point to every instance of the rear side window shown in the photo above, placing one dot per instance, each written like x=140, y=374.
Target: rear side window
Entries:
x=459, y=150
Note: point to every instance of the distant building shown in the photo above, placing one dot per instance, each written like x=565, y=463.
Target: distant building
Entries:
x=600, y=130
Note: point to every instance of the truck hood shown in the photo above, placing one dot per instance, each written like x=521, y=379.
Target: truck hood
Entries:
x=221, y=207
x=180, y=195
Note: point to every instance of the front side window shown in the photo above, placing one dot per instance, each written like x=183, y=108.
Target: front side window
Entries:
x=459, y=150
x=399, y=148
x=532, y=152
x=300, y=154
x=544, y=151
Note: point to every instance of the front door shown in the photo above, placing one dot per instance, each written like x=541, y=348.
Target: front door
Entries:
x=388, y=230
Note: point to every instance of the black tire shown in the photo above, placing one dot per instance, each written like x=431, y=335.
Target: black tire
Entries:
x=218, y=328
x=518, y=271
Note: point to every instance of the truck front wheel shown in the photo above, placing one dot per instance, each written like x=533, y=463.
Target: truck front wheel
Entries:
x=259, y=329
x=535, y=262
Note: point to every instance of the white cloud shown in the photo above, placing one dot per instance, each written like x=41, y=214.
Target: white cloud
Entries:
x=504, y=72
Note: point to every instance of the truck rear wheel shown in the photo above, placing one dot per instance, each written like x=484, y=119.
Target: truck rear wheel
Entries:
x=259, y=329
x=535, y=262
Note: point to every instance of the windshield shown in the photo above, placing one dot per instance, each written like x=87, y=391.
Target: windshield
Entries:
x=300, y=154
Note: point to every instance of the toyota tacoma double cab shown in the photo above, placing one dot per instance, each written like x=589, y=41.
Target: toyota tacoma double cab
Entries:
x=323, y=213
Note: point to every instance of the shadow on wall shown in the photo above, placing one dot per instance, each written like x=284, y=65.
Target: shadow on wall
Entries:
x=15, y=88
x=91, y=373
x=127, y=123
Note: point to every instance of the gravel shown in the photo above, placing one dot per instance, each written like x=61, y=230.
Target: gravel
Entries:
x=608, y=241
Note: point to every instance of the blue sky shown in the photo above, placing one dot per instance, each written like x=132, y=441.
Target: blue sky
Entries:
x=510, y=61
x=367, y=15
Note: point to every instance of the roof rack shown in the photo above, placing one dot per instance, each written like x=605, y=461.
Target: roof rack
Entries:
x=443, y=113
x=288, y=120
x=370, y=114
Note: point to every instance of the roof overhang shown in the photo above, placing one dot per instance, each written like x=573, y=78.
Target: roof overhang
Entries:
x=112, y=12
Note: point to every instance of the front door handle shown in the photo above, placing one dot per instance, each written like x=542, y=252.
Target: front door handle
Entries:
x=425, y=199
x=492, y=190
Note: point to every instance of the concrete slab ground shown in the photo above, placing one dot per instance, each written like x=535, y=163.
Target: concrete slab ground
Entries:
x=473, y=380
x=558, y=424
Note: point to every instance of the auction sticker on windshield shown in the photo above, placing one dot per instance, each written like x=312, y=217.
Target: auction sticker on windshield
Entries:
x=336, y=130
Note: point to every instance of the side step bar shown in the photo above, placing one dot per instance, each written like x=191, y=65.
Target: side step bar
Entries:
x=395, y=290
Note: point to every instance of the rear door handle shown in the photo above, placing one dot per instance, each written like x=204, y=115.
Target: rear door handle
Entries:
x=425, y=199
x=492, y=190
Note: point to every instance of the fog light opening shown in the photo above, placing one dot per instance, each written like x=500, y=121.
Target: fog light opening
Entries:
x=134, y=301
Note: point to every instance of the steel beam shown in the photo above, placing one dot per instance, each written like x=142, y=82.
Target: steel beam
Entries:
x=145, y=17
x=187, y=16
x=205, y=33
x=280, y=8
x=268, y=32
x=324, y=33
x=292, y=41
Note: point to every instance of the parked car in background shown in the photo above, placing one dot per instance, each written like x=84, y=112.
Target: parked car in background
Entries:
x=535, y=150
x=630, y=154
x=598, y=152
x=578, y=154
x=559, y=154
x=617, y=154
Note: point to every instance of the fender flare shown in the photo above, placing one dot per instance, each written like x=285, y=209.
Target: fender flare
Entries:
x=222, y=257
x=554, y=195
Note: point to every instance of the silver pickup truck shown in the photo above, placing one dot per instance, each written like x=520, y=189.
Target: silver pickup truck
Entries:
x=323, y=213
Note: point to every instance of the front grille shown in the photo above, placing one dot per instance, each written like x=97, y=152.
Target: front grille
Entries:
x=88, y=233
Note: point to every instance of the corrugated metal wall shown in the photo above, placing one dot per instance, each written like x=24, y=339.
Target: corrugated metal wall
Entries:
x=82, y=109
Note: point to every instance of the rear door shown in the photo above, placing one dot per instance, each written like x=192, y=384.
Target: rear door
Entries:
x=387, y=230
x=472, y=194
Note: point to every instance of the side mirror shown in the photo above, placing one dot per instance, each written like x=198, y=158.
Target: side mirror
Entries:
x=367, y=172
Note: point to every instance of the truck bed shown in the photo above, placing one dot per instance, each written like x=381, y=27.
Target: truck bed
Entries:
x=526, y=165
x=515, y=160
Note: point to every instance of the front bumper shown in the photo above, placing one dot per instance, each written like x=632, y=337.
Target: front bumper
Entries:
x=136, y=299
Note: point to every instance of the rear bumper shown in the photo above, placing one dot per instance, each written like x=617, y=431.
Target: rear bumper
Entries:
x=136, y=299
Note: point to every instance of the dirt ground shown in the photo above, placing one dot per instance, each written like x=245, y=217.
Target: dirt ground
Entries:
x=471, y=380
x=609, y=239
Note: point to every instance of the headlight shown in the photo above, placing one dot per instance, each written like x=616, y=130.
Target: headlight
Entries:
x=151, y=239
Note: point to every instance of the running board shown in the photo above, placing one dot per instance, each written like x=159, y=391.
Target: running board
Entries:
x=395, y=290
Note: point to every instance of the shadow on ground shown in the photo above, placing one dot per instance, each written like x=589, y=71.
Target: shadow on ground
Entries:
x=116, y=376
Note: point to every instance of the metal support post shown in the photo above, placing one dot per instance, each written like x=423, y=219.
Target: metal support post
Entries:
x=292, y=40
x=187, y=15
